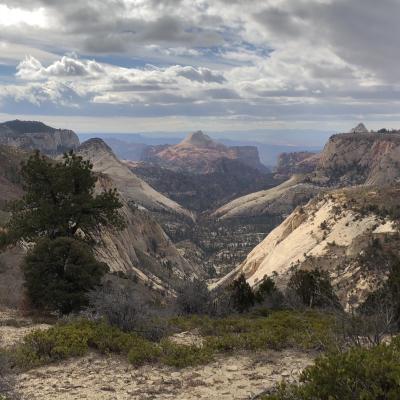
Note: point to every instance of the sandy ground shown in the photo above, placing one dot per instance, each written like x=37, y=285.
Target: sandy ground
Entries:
x=98, y=377
x=13, y=327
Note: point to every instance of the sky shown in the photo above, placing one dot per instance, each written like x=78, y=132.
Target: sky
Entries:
x=216, y=65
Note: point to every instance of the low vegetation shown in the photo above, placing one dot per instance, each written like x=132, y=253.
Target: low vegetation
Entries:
x=282, y=329
x=359, y=373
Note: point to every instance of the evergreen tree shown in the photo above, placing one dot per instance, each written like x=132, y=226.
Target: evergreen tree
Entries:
x=313, y=288
x=242, y=295
x=60, y=199
x=59, y=273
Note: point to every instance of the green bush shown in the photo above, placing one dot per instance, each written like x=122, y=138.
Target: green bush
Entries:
x=360, y=373
x=183, y=356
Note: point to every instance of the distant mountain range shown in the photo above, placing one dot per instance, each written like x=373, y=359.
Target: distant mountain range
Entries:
x=131, y=146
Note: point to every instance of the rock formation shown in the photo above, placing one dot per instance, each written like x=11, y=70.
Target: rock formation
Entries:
x=279, y=200
x=134, y=189
x=198, y=154
x=360, y=128
x=33, y=135
x=347, y=233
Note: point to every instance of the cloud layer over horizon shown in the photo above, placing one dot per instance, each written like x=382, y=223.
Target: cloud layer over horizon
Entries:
x=315, y=64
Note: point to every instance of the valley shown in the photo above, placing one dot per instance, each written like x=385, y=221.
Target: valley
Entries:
x=220, y=222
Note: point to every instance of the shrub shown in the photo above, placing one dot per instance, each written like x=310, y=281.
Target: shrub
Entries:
x=242, y=295
x=59, y=273
x=268, y=295
x=181, y=356
x=313, y=288
x=194, y=298
x=126, y=307
x=359, y=373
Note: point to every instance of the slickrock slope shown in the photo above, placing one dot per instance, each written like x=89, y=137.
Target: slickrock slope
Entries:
x=133, y=188
x=33, y=135
x=347, y=232
x=142, y=248
x=279, y=200
x=198, y=153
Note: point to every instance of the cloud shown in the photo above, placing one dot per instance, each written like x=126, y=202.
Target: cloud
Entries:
x=275, y=60
x=31, y=68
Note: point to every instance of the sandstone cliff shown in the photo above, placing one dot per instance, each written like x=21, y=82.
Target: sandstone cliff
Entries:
x=368, y=158
x=347, y=233
x=33, y=135
x=134, y=189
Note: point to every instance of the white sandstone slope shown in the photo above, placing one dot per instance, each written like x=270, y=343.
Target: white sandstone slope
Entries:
x=132, y=187
x=141, y=248
x=329, y=234
x=281, y=199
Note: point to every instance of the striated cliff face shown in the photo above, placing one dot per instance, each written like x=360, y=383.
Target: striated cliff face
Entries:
x=142, y=248
x=368, y=158
x=347, y=233
x=198, y=154
x=134, y=189
x=32, y=135
x=297, y=162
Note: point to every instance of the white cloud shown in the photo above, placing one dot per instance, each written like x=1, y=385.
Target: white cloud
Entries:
x=273, y=59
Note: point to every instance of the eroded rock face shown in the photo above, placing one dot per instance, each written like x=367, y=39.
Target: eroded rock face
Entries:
x=33, y=135
x=142, y=248
x=198, y=154
x=371, y=158
x=333, y=232
x=133, y=188
x=297, y=162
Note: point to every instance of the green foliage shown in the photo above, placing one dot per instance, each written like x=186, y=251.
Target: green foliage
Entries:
x=242, y=295
x=282, y=329
x=59, y=273
x=183, y=356
x=360, y=373
x=268, y=294
x=313, y=289
x=59, y=199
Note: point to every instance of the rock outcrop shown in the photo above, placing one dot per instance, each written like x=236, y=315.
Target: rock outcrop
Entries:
x=279, y=200
x=360, y=128
x=370, y=158
x=33, y=135
x=142, y=248
x=297, y=162
x=198, y=154
x=134, y=189
x=347, y=233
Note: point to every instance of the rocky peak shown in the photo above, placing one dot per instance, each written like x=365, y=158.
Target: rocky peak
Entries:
x=199, y=139
x=95, y=145
x=360, y=128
